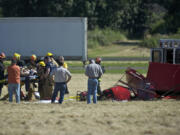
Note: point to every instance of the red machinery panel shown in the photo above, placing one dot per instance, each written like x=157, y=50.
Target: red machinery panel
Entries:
x=164, y=76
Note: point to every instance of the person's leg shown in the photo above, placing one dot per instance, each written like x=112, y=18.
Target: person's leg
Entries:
x=94, y=85
x=27, y=83
x=99, y=88
x=1, y=86
x=90, y=83
x=41, y=90
x=22, y=94
x=50, y=85
x=55, y=92
x=17, y=91
x=62, y=92
x=10, y=91
x=30, y=91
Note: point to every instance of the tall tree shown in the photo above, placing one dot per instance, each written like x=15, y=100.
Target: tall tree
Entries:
x=85, y=8
x=173, y=16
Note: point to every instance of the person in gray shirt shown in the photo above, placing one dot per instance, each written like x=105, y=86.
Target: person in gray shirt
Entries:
x=62, y=77
x=93, y=71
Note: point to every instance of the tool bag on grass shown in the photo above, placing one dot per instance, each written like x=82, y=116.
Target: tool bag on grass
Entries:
x=81, y=96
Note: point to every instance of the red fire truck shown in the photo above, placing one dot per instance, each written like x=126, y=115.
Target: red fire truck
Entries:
x=163, y=76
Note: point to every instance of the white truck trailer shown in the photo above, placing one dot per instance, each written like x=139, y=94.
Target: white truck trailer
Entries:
x=39, y=35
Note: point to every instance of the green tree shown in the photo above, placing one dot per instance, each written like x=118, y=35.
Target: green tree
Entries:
x=173, y=16
x=85, y=8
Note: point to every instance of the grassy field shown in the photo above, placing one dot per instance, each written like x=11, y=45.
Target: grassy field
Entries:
x=106, y=117
x=112, y=67
x=127, y=49
x=119, y=51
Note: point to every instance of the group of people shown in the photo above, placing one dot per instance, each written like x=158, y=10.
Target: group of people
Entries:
x=49, y=73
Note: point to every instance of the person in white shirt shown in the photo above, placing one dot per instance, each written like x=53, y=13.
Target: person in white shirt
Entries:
x=62, y=77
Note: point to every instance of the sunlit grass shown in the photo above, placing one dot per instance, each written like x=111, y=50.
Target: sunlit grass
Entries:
x=119, y=51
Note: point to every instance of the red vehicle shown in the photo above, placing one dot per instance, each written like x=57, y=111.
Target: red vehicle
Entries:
x=162, y=80
x=163, y=76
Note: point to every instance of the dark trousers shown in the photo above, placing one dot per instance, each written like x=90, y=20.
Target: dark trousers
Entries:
x=1, y=86
x=27, y=83
x=59, y=86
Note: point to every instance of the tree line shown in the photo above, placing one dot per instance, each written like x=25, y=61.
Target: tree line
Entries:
x=136, y=17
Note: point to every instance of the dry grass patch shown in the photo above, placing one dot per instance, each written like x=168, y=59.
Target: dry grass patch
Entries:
x=106, y=117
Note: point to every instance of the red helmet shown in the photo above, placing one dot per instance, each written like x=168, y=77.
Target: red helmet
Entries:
x=98, y=60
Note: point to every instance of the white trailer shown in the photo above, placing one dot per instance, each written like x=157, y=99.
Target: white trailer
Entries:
x=39, y=35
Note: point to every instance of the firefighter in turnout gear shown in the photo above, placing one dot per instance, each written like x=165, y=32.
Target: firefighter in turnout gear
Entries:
x=98, y=61
x=29, y=84
x=41, y=71
x=49, y=82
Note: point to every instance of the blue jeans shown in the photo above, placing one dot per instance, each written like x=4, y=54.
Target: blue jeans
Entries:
x=92, y=89
x=59, y=86
x=14, y=87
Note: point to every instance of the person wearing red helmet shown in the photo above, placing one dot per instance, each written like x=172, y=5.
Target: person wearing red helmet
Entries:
x=32, y=70
x=98, y=61
x=2, y=69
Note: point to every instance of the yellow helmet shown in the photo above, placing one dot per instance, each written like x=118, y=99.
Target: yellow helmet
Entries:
x=41, y=63
x=49, y=54
x=33, y=57
x=17, y=56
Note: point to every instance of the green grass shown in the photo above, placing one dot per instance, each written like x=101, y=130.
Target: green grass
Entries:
x=153, y=41
x=118, y=64
x=111, y=64
x=116, y=51
x=108, y=71
x=105, y=37
x=122, y=71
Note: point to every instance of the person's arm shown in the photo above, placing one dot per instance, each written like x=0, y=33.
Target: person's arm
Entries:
x=86, y=70
x=52, y=72
x=103, y=69
x=100, y=71
x=19, y=70
x=54, y=62
x=69, y=76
